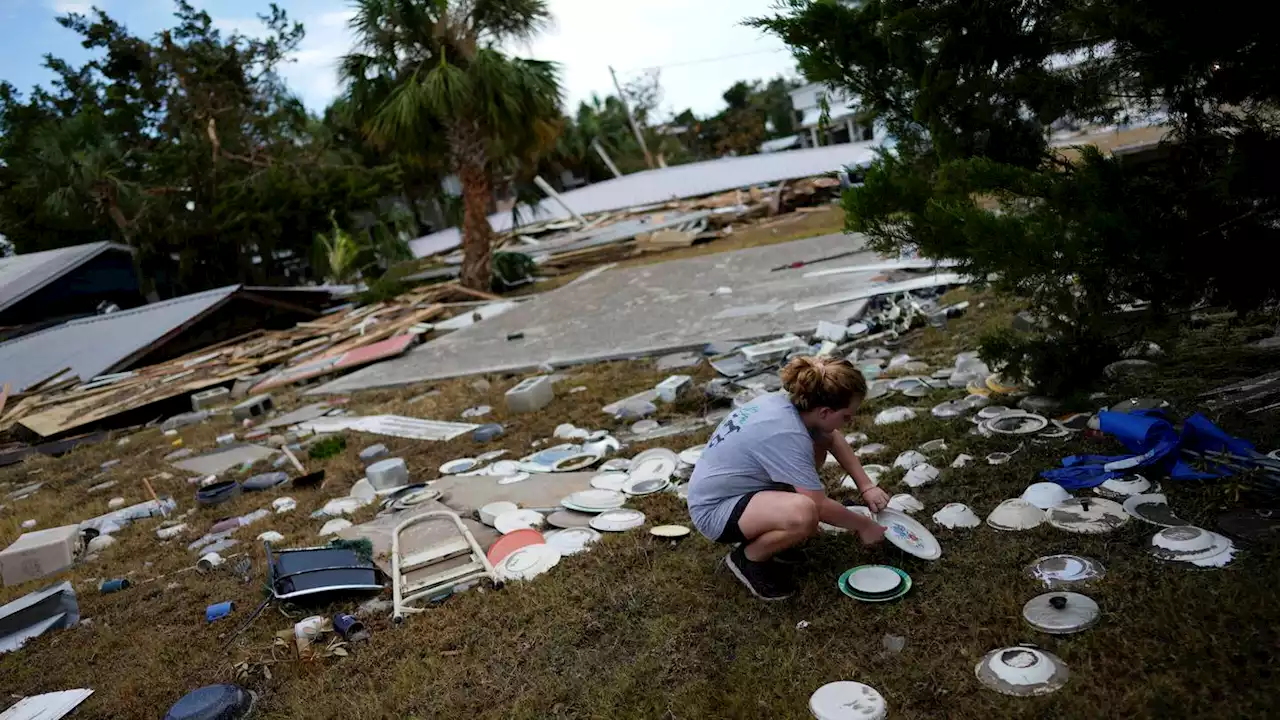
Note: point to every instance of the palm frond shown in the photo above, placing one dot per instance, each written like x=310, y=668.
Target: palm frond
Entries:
x=499, y=21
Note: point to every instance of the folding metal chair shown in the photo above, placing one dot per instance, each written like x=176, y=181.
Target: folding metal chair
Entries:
x=435, y=584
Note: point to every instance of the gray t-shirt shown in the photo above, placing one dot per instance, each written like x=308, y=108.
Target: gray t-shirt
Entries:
x=756, y=447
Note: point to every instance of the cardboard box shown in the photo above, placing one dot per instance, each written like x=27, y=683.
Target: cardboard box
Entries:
x=37, y=554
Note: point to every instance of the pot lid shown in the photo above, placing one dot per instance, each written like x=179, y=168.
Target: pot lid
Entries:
x=909, y=535
x=1060, y=571
x=569, y=519
x=1015, y=514
x=1021, y=671
x=1061, y=613
x=956, y=515
x=572, y=541
x=1123, y=487
x=848, y=700
x=528, y=562
x=1088, y=515
x=1152, y=508
x=1045, y=495
x=618, y=520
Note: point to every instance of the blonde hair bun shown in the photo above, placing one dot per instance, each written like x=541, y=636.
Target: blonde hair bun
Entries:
x=816, y=382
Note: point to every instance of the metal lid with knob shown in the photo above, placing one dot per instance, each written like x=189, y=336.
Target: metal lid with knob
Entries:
x=1061, y=613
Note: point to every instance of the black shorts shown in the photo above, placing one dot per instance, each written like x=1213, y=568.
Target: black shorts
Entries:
x=732, y=533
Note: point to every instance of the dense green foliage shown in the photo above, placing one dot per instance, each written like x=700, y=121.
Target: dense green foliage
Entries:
x=186, y=146
x=973, y=92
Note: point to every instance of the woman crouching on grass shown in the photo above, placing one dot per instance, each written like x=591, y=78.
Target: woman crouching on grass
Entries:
x=756, y=485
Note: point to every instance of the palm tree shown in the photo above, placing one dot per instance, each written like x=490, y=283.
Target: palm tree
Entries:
x=429, y=69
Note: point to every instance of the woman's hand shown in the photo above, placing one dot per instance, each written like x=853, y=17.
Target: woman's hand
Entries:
x=875, y=498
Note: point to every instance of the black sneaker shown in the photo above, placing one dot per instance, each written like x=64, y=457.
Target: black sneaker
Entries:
x=761, y=578
x=790, y=556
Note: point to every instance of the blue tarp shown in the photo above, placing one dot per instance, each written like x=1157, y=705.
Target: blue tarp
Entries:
x=1154, y=444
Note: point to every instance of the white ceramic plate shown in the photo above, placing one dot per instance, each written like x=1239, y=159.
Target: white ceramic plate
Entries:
x=692, y=455
x=572, y=541
x=461, y=465
x=618, y=520
x=597, y=499
x=518, y=520
x=490, y=512
x=905, y=532
x=638, y=486
x=528, y=562
x=1021, y=671
x=655, y=467
x=874, y=579
x=513, y=479
x=578, y=461
x=847, y=700
x=609, y=481
x=670, y=531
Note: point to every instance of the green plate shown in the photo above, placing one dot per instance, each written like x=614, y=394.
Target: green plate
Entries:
x=903, y=589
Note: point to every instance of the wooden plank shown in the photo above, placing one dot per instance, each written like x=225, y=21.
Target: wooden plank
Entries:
x=476, y=293
x=4, y=397
x=36, y=386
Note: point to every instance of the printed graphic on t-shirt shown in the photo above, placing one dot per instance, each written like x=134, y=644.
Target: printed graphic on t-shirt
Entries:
x=736, y=421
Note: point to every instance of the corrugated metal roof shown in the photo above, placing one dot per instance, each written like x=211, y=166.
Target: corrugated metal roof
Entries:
x=94, y=345
x=22, y=275
x=680, y=181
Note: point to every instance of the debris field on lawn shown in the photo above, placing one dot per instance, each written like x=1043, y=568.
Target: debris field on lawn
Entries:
x=416, y=510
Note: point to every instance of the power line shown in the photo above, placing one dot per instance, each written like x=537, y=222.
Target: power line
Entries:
x=705, y=60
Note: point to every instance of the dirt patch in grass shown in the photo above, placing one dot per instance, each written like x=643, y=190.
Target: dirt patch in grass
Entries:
x=643, y=628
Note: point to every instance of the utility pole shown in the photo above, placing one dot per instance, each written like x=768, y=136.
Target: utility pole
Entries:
x=608, y=161
x=648, y=159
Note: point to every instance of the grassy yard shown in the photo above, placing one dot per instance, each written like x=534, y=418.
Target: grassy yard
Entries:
x=641, y=628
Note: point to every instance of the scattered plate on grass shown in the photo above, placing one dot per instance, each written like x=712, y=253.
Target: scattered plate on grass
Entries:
x=513, y=479
x=513, y=520
x=509, y=543
x=1152, y=508
x=528, y=562
x=618, y=520
x=693, y=454
x=569, y=519
x=956, y=515
x=897, y=590
x=572, y=541
x=873, y=579
x=909, y=535
x=639, y=486
x=609, y=481
x=1187, y=543
x=461, y=465
x=595, y=499
x=670, y=531
x=1022, y=671
x=1061, y=571
x=1015, y=514
x=1045, y=495
x=847, y=700
x=577, y=461
x=1124, y=487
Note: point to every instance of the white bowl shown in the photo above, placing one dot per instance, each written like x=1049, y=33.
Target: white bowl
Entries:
x=920, y=475
x=1123, y=487
x=956, y=515
x=893, y=415
x=1045, y=495
x=1021, y=671
x=909, y=459
x=847, y=700
x=1015, y=514
x=513, y=520
x=490, y=512
x=902, y=502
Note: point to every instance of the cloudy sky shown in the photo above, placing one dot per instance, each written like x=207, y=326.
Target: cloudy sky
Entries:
x=700, y=46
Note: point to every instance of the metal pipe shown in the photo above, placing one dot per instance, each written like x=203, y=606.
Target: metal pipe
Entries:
x=545, y=187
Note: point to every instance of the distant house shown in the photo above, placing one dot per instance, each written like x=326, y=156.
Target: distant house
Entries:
x=42, y=288
x=842, y=127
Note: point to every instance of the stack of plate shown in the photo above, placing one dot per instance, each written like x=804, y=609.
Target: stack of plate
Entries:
x=594, y=500
x=1189, y=544
x=874, y=583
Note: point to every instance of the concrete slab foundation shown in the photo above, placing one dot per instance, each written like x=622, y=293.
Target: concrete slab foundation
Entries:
x=635, y=312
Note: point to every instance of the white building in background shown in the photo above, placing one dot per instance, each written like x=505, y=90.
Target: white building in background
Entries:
x=841, y=126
